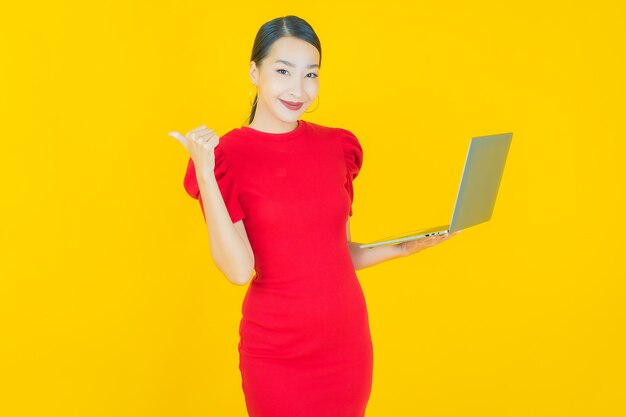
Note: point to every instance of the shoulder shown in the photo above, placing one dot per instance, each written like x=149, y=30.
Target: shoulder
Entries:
x=230, y=139
x=348, y=142
x=230, y=147
x=347, y=139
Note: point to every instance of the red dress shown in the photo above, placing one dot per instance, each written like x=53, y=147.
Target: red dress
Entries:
x=305, y=348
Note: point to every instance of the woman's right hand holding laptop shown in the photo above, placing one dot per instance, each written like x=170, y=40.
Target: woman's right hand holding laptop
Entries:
x=411, y=247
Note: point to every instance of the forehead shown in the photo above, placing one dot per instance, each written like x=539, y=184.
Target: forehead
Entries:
x=294, y=50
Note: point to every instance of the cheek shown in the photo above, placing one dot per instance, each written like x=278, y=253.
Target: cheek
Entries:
x=312, y=91
x=275, y=86
x=312, y=88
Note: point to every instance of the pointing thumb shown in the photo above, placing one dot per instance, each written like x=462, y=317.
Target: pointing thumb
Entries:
x=178, y=137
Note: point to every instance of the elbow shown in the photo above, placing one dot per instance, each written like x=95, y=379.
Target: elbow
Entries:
x=237, y=277
x=242, y=272
x=238, y=270
x=240, y=283
x=240, y=280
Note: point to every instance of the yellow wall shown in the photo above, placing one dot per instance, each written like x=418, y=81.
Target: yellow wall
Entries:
x=110, y=303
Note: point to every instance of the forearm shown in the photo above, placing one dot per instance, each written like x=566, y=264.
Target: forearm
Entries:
x=366, y=257
x=228, y=250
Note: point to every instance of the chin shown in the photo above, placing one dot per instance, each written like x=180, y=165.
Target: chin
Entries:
x=288, y=115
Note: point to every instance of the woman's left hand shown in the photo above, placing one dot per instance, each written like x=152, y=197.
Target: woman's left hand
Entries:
x=417, y=245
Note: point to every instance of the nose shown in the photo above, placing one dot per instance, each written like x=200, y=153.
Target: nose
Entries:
x=296, y=91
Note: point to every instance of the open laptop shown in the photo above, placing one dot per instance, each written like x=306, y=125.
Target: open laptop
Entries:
x=477, y=193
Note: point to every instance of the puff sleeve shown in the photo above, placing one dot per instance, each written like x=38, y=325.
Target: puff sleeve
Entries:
x=225, y=181
x=353, y=156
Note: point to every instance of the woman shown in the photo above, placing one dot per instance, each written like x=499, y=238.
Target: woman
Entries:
x=277, y=196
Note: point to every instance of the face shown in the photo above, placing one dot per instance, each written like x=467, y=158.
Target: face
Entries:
x=290, y=73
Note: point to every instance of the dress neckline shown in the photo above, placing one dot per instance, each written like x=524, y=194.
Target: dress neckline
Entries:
x=276, y=136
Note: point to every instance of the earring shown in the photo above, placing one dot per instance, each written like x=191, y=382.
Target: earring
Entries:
x=318, y=104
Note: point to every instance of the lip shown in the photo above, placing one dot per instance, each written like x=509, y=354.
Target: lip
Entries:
x=291, y=105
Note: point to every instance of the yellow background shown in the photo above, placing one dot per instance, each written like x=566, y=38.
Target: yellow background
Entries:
x=109, y=300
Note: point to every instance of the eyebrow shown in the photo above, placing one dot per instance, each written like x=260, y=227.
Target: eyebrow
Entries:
x=293, y=65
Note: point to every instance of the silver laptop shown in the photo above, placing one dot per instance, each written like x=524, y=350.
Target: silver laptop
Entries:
x=477, y=193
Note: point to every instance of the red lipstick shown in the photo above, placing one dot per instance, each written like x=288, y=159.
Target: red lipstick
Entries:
x=291, y=105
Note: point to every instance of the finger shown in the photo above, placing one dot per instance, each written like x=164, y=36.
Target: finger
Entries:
x=180, y=138
x=205, y=140
x=204, y=135
x=197, y=130
x=201, y=135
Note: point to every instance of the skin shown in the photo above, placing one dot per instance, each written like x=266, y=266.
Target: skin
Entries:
x=276, y=80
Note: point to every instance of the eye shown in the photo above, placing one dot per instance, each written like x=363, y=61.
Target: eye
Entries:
x=315, y=75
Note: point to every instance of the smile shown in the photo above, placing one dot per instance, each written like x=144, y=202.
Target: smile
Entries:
x=291, y=105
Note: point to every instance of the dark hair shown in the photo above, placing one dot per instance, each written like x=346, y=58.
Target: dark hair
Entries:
x=275, y=29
